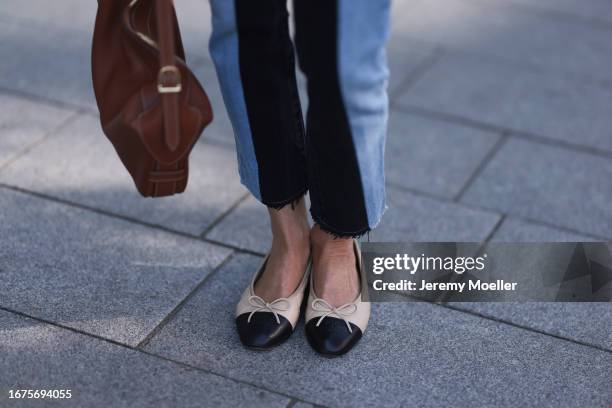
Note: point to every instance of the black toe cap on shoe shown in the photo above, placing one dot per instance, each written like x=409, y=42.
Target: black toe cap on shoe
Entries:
x=332, y=337
x=262, y=332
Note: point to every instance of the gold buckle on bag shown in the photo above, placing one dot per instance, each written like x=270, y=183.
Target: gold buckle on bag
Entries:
x=166, y=89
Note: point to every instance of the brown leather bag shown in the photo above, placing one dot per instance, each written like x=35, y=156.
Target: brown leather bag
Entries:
x=152, y=107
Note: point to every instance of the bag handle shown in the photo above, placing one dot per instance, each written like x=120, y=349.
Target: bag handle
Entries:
x=169, y=77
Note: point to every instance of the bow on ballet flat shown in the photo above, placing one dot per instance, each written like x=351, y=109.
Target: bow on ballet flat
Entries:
x=342, y=312
x=260, y=305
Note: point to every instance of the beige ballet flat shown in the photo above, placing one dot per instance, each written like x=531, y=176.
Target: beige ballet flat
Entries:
x=262, y=325
x=332, y=330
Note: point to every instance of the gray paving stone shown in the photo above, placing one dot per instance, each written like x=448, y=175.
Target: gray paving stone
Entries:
x=513, y=230
x=523, y=100
x=506, y=32
x=415, y=218
x=246, y=227
x=23, y=123
x=80, y=14
x=221, y=127
x=587, y=322
x=80, y=164
x=41, y=60
x=412, y=354
x=91, y=272
x=99, y=374
x=590, y=323
x=404, y=57
x=573, y=193
x=433, y=156
x=194, y=18
x=301, y=404
x=195, y=23
x=598, y=11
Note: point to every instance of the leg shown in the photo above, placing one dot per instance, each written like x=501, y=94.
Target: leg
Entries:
x=289, y=252
x=335, y=276
x=341, y=49
x=253, y=55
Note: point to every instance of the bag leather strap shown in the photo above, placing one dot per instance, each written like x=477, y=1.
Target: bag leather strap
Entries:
x=169, y=77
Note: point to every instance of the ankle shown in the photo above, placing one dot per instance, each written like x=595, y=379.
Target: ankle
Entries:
x=294, y=243
x=290, y=230
x=323, y=241
x=284, y=269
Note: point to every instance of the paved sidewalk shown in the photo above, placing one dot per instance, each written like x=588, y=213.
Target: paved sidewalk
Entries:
x=501, y=129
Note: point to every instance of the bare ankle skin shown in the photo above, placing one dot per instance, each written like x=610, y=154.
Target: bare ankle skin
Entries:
x=289, y=252
x=334, y=267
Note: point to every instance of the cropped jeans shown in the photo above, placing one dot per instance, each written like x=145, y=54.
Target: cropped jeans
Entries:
x=337, y=155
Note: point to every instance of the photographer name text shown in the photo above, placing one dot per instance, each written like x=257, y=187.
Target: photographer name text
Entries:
x=408, y=285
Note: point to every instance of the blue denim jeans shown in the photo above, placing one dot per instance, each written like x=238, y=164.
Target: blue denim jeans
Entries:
x=338, y=153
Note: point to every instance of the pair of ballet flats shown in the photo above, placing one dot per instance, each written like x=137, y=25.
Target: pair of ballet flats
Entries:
x=331, y=331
